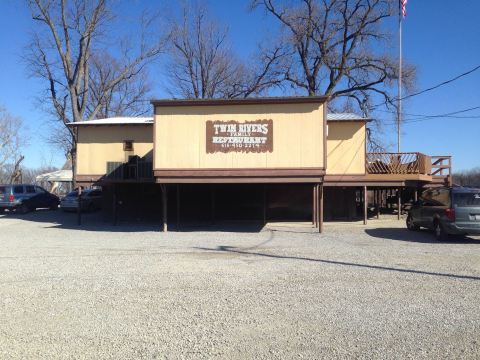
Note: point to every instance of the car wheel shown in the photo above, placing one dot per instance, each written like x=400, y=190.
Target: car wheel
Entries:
x=23, y=209
x=439, y=232
x=411, y=225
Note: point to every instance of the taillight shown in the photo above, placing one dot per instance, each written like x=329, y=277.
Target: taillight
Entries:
x=450, y=214
x=11, y=198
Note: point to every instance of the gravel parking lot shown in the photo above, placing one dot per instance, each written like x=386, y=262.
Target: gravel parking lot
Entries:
x=100, y=291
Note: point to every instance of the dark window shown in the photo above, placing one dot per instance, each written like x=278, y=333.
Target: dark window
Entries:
x=466, y=199
x=128, y=145
x=3, y=189
x=30, y=189
x=18, y=189
x=40, y=190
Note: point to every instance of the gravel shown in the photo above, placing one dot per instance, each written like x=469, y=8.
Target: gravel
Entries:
x=98, y=291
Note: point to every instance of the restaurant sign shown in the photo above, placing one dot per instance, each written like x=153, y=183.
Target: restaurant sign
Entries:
x=235, y=136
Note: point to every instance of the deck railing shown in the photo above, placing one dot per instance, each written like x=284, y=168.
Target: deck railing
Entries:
x=442, y=169
x=398, y=163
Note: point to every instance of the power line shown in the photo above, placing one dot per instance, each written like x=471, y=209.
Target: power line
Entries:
x=433, y=87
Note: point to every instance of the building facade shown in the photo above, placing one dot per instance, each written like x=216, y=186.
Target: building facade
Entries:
x=255, y=159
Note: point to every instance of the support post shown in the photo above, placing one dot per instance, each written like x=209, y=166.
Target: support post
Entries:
x=164, y=207
x=314, y=205
x=320, y=208
x=114, y=205
x=415, y=195
x=378, y=203
x=212, y=203
x=178, y=207
x=264, y=205
x=79, y=205
x=399, y=204
x=365, y=205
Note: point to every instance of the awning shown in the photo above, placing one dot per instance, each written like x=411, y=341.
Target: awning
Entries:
x=56, y=176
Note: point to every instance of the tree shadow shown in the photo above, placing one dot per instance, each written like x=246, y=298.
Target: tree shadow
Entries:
x=421, y=236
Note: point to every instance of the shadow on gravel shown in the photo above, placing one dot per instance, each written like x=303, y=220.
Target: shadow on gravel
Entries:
x=421, y=236
x=95, y=222
x=242, y=251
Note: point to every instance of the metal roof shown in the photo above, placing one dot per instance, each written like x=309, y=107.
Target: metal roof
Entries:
x=149, y=120
x=116, y=121
x=346, y=117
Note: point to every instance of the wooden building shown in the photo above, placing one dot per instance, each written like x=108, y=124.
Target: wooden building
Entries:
x=256, y=159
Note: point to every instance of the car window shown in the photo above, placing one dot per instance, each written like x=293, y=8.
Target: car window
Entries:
x=3, y=189
x=40, y=190
x=95, y=193
x=441, y=197
x=466, y=199
x=436, y=197
x=30, y=189
x=18, y=189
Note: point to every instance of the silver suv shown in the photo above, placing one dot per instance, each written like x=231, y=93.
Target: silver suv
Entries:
x=26, y=197
x=447, y=211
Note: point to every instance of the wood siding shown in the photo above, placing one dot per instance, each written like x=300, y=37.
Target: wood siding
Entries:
x=98, y=145
x=346, y=148
x=180, y=137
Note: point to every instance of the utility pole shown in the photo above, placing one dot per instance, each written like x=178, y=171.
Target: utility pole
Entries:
x=399, y=98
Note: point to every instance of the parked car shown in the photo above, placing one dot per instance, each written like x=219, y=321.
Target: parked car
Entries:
x=26, y=197
x=447, y=211
x=91, y=200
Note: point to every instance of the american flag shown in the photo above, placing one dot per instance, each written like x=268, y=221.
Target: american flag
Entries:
x=404, y=7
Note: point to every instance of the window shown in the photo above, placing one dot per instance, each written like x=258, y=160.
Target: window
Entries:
x=466, y=199
x=30, y=189
x=437, y=197
x=128, y=145
x=18, y=189
x=40, y=190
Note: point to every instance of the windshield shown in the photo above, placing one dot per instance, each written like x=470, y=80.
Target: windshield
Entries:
x=466, y=199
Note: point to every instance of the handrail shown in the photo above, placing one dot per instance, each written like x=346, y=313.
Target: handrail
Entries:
x=397, y=163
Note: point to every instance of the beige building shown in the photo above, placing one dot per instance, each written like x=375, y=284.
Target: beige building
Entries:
x=256, y=159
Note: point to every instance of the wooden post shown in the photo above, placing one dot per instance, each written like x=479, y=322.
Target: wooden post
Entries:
x=264, y=205
x=415, y=195
x=314, y=205
x=320, y=208
x=164, y=207
x=178, y=207
x=378, y=203
x=399, y=204
x=79, y=205
x=365, y=205
x=212, y=203
x=114, y=204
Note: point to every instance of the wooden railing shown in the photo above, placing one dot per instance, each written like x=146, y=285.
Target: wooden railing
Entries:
x=398, y=163
x=442, y=170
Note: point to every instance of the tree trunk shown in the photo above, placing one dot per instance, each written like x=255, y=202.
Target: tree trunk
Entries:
x=73, y=155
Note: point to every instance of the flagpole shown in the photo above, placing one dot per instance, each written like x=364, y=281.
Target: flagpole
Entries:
x=399, y=101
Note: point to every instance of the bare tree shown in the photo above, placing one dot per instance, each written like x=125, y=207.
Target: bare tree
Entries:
x=12, y=139
x=468, y=177
x=62, y=50
x=203, y=65
x=335, y=47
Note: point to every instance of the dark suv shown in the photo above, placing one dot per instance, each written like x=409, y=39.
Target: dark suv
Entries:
x=25, y=197
x=447, y=211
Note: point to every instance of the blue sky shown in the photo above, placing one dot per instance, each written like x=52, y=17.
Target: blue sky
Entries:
x=442, y=38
